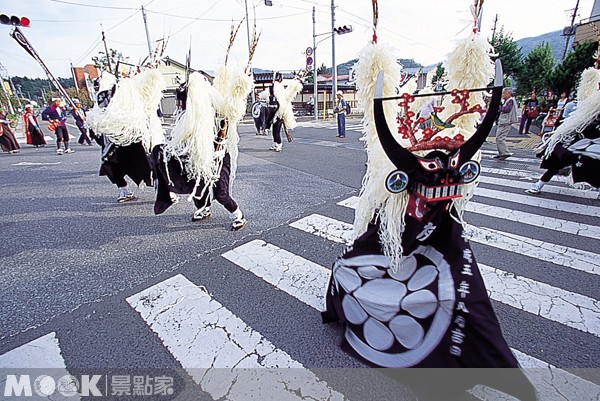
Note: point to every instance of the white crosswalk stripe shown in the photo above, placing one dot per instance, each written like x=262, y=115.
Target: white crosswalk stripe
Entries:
x=548, y=188
x=204, y=336
x=331, y=125
x=43, y=352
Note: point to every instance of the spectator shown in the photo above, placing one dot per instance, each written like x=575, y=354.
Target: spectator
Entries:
x=32, y=130
x=311, y=105
x=79, y=115
x=340, y=110
x=507, y=117
x=562, y=102
x=529, y=113
x=7, y=137
x=570, y=107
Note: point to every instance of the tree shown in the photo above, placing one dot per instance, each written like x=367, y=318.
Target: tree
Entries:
x=509, y=52
x=439, y=73
x=565, y=76
x=101, y=61
x=322, y=69
x=537, y=67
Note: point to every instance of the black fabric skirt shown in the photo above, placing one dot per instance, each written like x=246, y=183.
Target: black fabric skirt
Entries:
x=433, y=312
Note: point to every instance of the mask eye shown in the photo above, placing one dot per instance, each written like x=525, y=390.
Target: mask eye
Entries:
x=430, y=165
x=454, y=161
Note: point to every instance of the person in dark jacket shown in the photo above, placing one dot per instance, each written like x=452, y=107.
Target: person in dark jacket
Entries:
x=79, y=115
x=57, y=115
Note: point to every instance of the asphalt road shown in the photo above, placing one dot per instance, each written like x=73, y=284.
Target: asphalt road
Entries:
x=72, y=257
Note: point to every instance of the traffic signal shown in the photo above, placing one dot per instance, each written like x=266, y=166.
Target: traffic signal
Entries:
x=14, y=20
x=343, y=29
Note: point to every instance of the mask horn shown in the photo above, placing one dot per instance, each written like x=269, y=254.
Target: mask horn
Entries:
x=469, y=148
x=400, y=157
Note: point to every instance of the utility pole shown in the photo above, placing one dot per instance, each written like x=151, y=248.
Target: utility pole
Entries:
x=315, y=89
x=494, y=30
x=147, y=33
x=570, y=33
x=334, y=67
x=106, y=50
x=247, y=27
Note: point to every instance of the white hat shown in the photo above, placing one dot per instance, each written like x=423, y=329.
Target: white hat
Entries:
x=54, y=99
x=340, y=93
x=28, y=106
x=76, y=101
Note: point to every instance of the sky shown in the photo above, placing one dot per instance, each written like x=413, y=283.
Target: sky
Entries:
x=69, y=31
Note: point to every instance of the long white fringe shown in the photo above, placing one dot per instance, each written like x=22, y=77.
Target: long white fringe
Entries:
x=374, y=197
x=125, y=120
x=284, y=97
x=193, y=135
x=469, y=65
x=151, y=85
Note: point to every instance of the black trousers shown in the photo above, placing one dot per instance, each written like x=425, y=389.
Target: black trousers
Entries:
x=277, y=126
x=220, y=189
x=62, y=135
x=84, y=136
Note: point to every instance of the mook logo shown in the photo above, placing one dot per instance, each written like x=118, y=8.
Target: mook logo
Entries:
x=45, y=386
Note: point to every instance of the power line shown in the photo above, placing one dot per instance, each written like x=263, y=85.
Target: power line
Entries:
x=222, y=19
x=94, y=6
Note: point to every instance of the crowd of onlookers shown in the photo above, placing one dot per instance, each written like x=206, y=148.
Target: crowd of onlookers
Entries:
x=56, y=115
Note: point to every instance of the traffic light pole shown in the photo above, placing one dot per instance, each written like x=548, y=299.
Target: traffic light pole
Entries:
x=315, y=90
x=333, y=66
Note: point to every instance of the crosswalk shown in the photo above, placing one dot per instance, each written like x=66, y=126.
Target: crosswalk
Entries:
x=206, y=338
x=351, y=125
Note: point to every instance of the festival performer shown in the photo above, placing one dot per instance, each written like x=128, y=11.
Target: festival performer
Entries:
x=263, y=111
x=284, y=115
x=576, y=142
x=408, y=290
x=79, y=115
x=201, y=157
x=129, y=127
x=32, y=130
x=56, y=114
x=8, y=142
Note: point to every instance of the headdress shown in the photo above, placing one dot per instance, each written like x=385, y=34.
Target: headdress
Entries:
x=417, y=167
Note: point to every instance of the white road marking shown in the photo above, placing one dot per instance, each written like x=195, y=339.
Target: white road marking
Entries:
x=549, y=223
x=204, y=336
x=515, y=173
x=539, y=202
x=43, y=352
x=290, y=273
x=38, y=358
x=574, y=258
x=565, y=307
x=548, y=188
x=35, y=163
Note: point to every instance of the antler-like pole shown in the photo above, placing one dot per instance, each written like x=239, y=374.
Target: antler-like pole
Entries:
x=254, y=43
x=232, y=35
x=476, y=11
x=375, y=20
